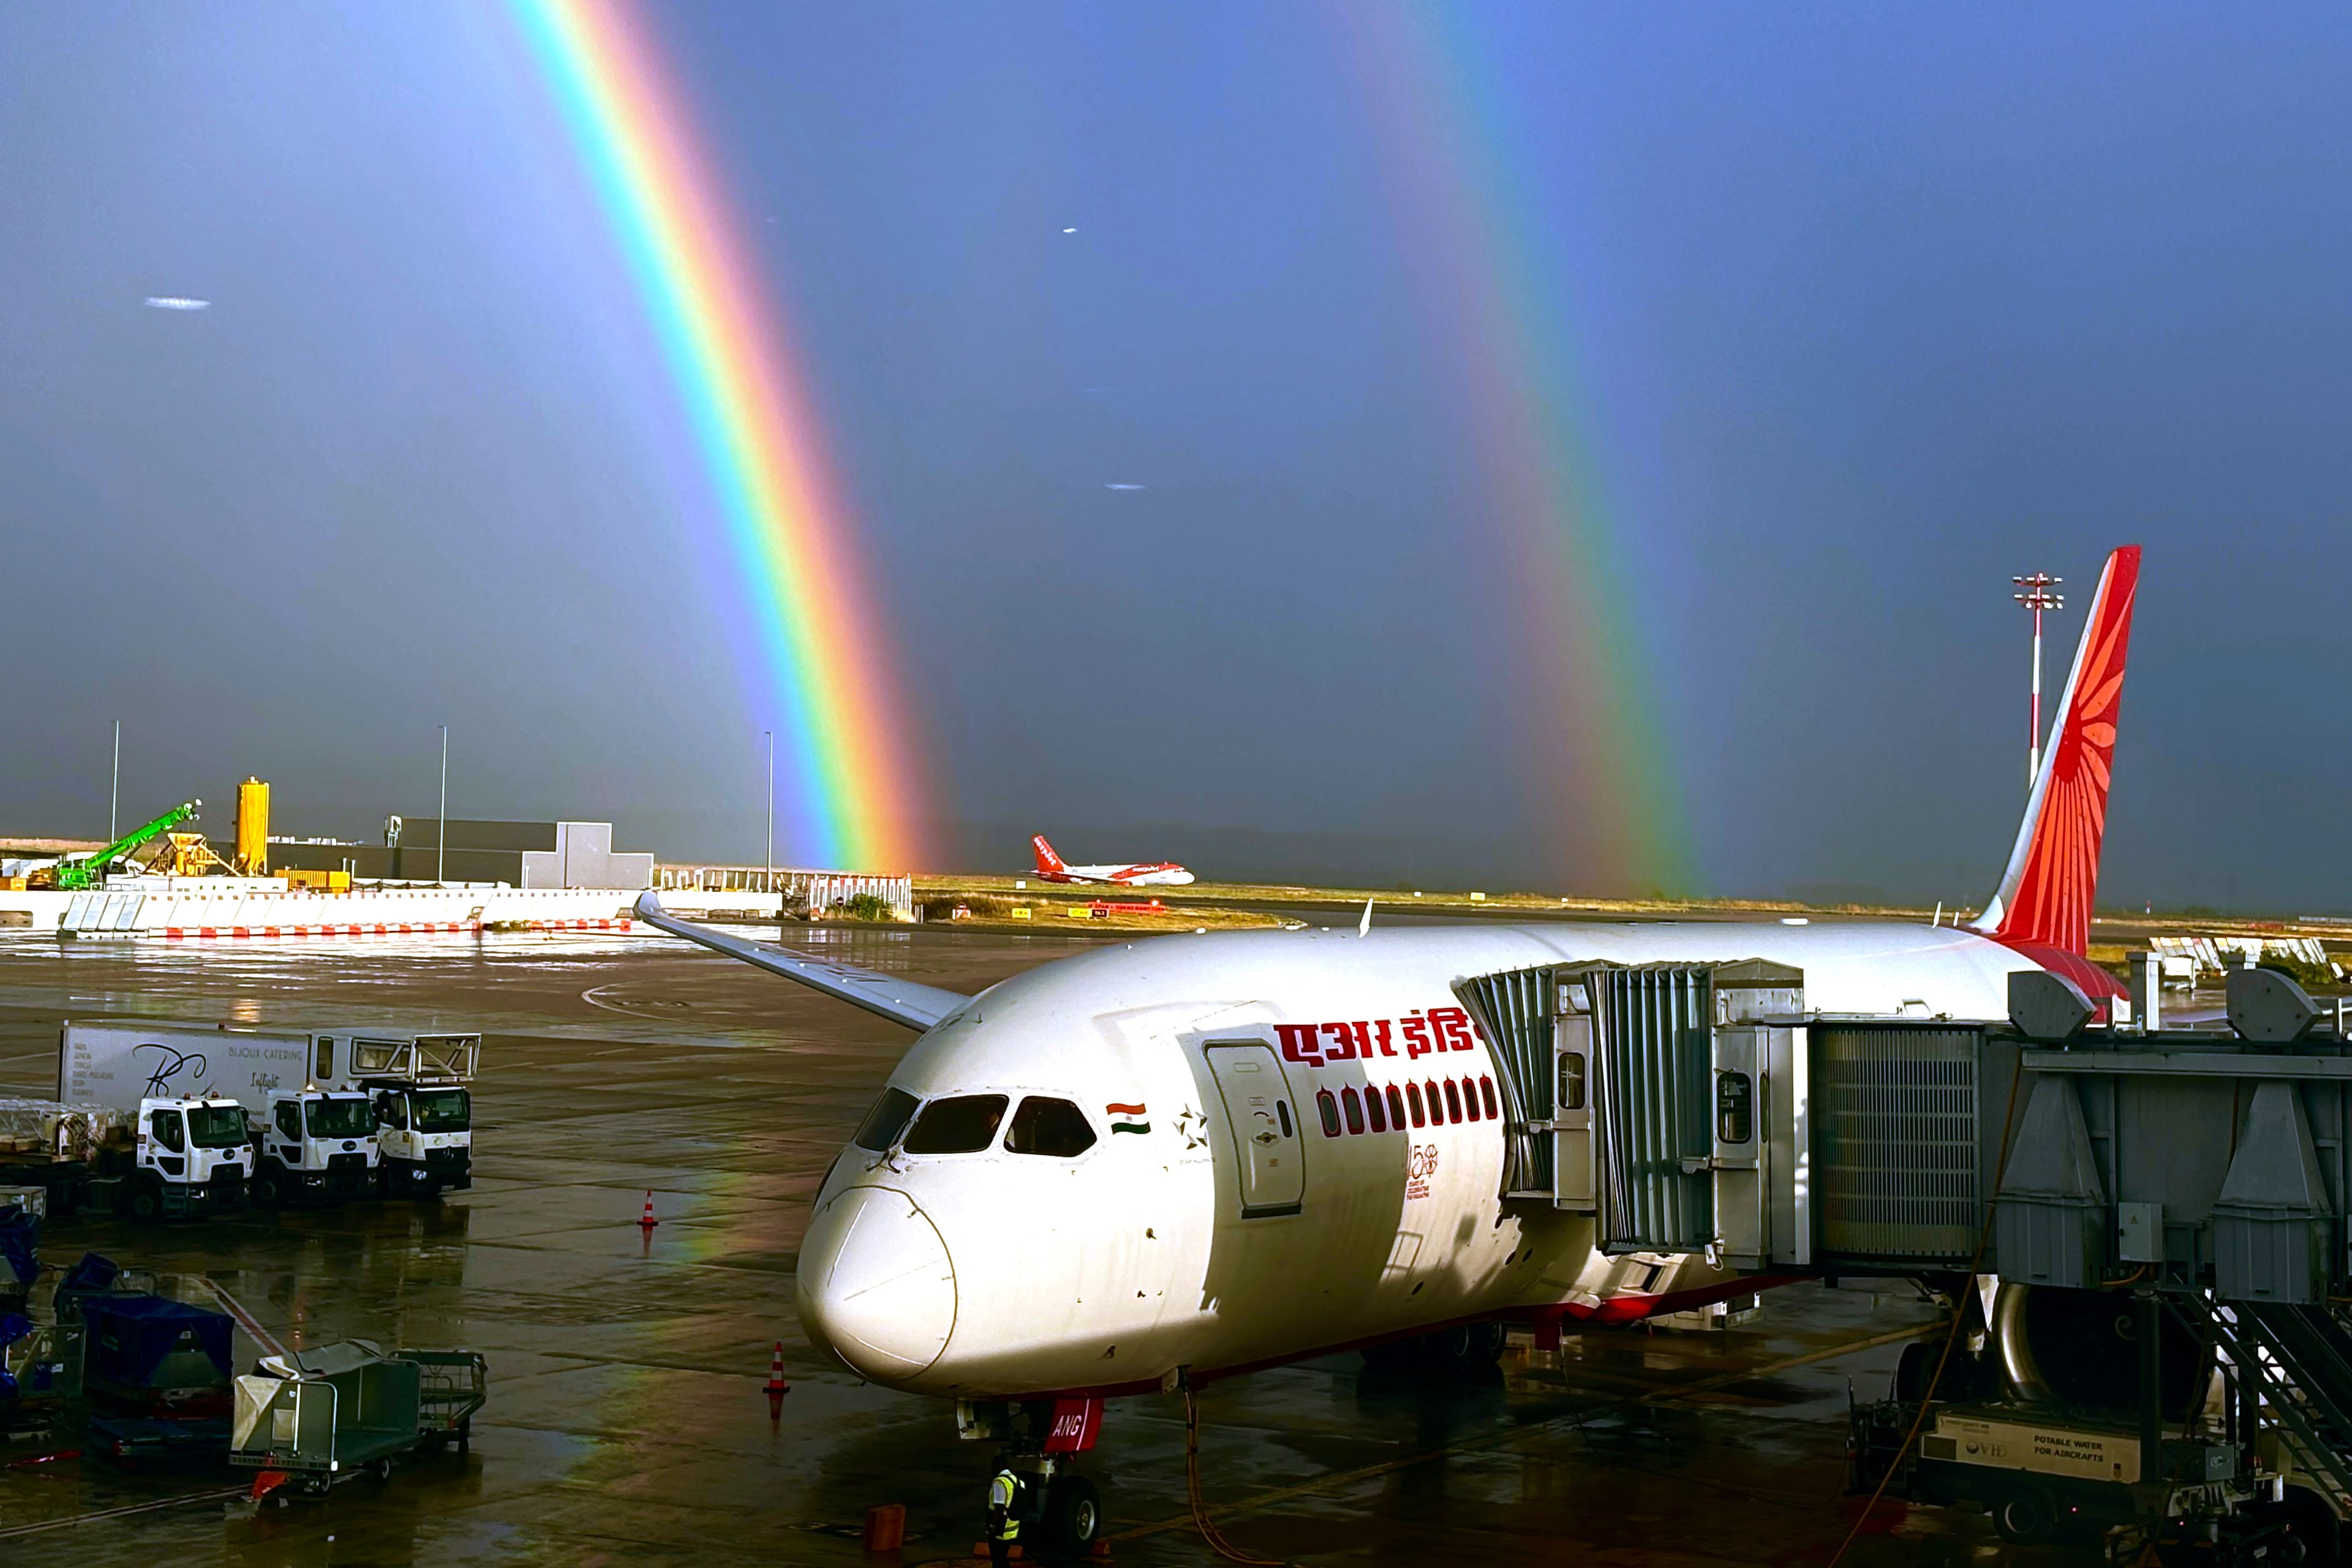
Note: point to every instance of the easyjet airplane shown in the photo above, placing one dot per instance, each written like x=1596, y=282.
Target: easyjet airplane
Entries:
x=1189, y=1156
x=1156, y=874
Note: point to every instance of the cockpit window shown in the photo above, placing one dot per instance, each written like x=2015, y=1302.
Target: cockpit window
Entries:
x=957, y=1125
x=1054, y=1126
x=885, y=1120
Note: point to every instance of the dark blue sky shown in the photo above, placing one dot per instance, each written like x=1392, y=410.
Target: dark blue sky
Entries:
x=1863, y=311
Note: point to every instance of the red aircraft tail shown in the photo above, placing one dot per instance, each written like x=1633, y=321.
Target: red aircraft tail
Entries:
x=1048, y=863
x=2053, y=873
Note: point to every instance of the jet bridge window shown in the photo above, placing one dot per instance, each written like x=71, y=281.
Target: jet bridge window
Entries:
x=885, y=1120
x=961, y=1124
x=1049, y=1127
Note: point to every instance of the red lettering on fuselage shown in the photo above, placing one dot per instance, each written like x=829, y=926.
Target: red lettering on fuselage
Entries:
x=1321, y=1045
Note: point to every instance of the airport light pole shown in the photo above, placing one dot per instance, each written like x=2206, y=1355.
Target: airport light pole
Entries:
x=2037, y=592
x=768, y=863
x=114, y=791
x=441, y=834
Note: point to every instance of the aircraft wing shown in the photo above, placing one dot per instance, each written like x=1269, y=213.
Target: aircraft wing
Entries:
x=901, y=1001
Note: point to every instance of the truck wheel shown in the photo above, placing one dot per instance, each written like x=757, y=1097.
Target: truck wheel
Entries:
x=269, y=1188
x=380, y=1469
x=143, y=1199
x=1073, y=1515
x=465, y=1435
x=2025, y=1516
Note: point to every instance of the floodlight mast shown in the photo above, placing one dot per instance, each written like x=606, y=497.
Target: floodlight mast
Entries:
x=2037, y=592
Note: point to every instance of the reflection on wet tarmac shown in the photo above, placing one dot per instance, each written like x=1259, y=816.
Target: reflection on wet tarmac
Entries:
x=626, y=1421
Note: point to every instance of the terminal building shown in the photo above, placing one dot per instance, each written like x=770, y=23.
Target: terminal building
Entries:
x=519, y=854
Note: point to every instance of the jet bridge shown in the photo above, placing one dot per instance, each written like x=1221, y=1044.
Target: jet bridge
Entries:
x=2196, y=1184
x=1700, y=1108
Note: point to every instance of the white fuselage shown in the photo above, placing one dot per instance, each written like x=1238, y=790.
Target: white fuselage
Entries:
x=1122, y=876
x=1182, y=1244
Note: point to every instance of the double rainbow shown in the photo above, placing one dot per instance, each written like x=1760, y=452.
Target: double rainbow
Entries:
x=850, y=792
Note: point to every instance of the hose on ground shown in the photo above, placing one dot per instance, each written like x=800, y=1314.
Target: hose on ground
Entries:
x=1200, y=1503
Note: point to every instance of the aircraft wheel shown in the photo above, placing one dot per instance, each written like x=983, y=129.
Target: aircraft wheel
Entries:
x=1467, y=1347
x=1395, y=1355
x=2025, y=1516
x=1073, y=1515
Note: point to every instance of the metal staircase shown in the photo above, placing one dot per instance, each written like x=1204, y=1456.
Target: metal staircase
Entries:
x=2297, y=1360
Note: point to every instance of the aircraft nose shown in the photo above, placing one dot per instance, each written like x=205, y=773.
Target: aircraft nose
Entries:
x=876, y=1284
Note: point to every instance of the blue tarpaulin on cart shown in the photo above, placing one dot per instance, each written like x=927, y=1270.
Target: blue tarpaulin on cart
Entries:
x=131, y=1335
x=14, y=1326
x=20, y=1244
x=94, y=1272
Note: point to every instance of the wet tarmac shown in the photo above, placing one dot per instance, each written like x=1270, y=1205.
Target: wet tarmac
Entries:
x=626, y=1421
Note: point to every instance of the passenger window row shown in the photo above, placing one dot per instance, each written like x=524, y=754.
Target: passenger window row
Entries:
x=967, y=1123
x=1396, y=1108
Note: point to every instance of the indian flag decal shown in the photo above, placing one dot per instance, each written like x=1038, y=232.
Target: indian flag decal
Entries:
x=1128, y=1119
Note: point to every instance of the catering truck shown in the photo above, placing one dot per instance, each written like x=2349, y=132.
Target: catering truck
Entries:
x=423, y=1107
x=165, y=1156
x=310, y=1100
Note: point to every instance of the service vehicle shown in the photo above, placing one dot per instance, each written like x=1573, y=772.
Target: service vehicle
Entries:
x=160, y=1156
x=324, y=1111
x=320, y=1417
x=423, y=1107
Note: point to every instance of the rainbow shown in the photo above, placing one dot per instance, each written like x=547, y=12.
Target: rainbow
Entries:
x=849, y=791
x=1594, y=734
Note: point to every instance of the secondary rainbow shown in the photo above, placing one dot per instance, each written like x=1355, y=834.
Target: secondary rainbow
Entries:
x=1601, y=756
x=848, y=787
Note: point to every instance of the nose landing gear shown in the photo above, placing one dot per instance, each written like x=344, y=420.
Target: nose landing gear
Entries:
x=1052, y=1514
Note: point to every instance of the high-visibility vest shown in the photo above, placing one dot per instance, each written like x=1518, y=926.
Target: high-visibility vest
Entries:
x=1004, y=1500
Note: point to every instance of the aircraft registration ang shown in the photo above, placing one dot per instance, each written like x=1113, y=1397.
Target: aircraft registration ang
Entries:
x=1189, y=1156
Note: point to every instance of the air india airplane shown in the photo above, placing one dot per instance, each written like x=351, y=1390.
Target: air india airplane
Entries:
x=1157, y=874
x=1186, y=1157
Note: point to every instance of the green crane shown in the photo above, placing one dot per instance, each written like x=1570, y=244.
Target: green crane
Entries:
x=84, y=871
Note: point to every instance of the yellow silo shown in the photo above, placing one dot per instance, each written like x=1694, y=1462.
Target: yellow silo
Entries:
x=253, y=827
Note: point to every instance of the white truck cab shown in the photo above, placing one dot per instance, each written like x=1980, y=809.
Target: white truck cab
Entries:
x=315, y=1145
x=189, y=1156
x=425, y=1136
x=424, y=1109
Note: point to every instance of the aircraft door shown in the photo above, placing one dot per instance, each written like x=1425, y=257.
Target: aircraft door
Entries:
x=1270, y=1153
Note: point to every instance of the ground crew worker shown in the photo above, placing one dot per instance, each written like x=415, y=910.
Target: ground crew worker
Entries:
x=1004, y=1498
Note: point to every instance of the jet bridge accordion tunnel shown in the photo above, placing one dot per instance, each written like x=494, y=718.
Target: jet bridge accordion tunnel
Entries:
x=1701, y=1109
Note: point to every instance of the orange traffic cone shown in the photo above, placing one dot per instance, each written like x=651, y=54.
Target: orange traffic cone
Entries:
x=648, y=1222
x=777, y=1387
